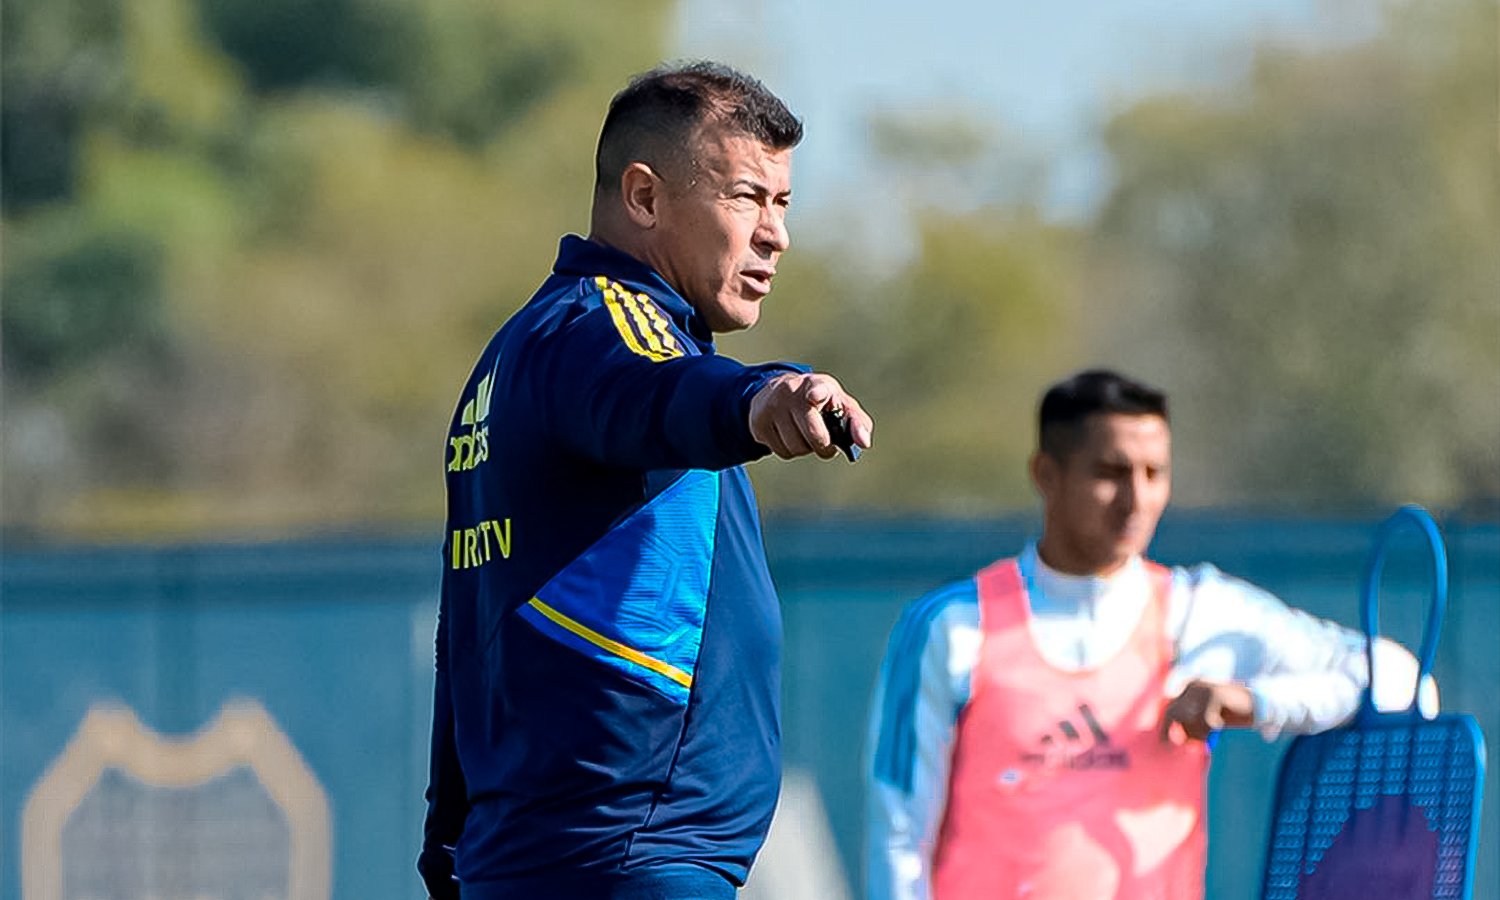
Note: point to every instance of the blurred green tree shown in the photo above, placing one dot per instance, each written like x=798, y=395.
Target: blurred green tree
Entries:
x=1311, y=265
x=61, y=63
x=271, y=237
x=82, y=294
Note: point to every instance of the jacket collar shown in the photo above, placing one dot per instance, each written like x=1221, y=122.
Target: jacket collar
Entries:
x=581, y=257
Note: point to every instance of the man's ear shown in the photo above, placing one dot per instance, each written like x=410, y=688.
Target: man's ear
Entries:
x=640, y=188
x=1044, y=472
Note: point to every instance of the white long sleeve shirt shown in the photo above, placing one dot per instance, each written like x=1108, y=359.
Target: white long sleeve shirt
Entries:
x=1305, y=675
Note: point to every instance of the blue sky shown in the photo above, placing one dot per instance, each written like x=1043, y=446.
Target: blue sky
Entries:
x=1045, y=74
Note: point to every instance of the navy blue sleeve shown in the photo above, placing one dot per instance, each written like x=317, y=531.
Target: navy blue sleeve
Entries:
x=447, y=793
x=614, y=400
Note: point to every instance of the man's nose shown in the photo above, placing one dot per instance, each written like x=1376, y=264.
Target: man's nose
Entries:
x=772, y=232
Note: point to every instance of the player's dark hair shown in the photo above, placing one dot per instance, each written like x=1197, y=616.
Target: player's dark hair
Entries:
x=1066, y=406
x=652, y=120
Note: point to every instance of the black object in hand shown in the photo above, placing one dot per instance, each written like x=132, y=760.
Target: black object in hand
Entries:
x=838, y=429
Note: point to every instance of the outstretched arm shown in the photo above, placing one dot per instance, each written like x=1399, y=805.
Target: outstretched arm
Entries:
x=609, y=401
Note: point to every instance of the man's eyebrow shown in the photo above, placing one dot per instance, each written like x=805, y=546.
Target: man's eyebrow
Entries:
x=757, y=186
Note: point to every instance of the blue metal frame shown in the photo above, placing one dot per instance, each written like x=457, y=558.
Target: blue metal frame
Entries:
x=1431, y=763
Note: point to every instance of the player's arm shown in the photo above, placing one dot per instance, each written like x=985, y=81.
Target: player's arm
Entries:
x=923, y=683
x=1300, y=673
x=447, y=793
x=612, y=396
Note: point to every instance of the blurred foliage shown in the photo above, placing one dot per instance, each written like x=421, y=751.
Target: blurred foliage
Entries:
x=1313, y=268
x=80, y=294
x=465, y=68
x=948, y=356
x=61, y=63
x=252, y=248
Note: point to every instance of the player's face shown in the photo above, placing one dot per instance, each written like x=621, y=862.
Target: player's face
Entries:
x=722, y=227
x=1102, y=502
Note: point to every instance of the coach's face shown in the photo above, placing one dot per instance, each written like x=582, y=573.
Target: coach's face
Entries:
x=721, y=226
x=1101, y=504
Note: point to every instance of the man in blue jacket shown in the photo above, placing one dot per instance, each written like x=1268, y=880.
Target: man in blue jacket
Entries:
x=605, y=721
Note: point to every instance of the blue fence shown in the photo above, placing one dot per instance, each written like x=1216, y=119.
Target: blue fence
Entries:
x=330, y=642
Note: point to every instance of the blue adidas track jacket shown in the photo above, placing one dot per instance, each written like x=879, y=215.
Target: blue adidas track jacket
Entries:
x=609, y=639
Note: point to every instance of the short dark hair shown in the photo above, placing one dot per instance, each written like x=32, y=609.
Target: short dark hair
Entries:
x=1066, y=406
x=652, y=120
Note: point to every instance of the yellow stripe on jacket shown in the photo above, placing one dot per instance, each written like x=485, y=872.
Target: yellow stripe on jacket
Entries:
x=634, y=325
x=613, y=646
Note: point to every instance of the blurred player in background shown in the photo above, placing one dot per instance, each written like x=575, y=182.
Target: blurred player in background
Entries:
x=606, y=714
x=1039, y=729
